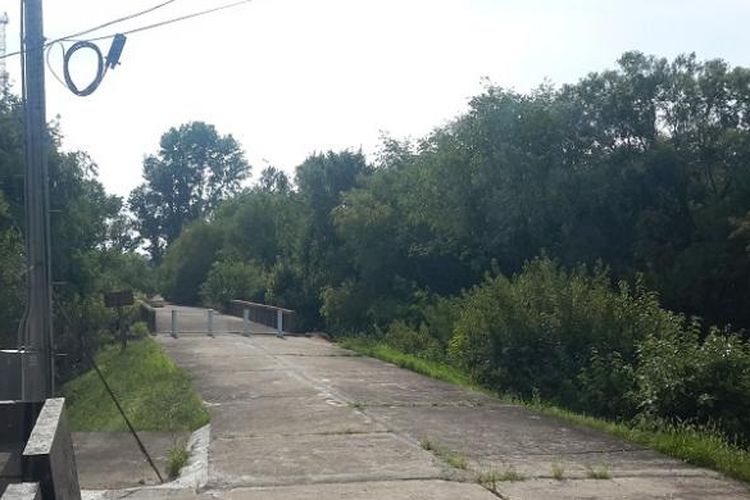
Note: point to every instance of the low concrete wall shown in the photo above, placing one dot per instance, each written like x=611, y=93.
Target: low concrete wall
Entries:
x=148, y=315
x=48, y=456
x=265, y=314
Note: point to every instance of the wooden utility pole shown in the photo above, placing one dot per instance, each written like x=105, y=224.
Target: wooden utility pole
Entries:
x=37, y=357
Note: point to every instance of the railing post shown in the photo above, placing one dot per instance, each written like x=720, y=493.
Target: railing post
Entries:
x=246, y=322
x=174, y=323
x=210, y=322
x=279, y=323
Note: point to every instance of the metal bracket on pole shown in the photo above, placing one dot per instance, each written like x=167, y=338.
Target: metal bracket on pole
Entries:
x=174, y=323
x=211, y=323
x=246, y=322
x=279, y=323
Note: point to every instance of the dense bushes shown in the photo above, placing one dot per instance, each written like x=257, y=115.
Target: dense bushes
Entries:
x=571, y=338
x=706, y=382
x=544, y=330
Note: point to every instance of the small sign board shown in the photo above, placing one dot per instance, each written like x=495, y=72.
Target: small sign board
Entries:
x=118, y=299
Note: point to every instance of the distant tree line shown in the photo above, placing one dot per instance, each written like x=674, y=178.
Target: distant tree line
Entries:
x=643, y=168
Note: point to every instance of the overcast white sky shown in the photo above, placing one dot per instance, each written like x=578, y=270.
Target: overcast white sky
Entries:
x=289, y=77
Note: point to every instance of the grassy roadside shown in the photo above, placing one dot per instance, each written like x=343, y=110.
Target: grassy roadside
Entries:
x=691, y=445
x=155, y=394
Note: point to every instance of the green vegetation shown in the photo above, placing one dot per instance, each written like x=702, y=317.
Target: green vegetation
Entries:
x=558, y=471
x=698, y=446
x=155, y=394
x=598, y=472
x=139, y=329
x=93, y=246
x=452, y=458
x=489, y=479
x=177, y=457
x=434, y=369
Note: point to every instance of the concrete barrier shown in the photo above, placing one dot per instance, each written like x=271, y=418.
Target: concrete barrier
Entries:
x=148, y=315
x=39, y=450
x=48, y=456
x=265, y=314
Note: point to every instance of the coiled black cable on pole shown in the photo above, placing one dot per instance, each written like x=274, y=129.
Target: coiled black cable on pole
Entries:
x=103, y=63
x=100, y=70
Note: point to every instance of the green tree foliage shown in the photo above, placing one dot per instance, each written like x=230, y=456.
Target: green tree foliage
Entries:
x=92, y=250
x=538, y=241
x=229, y=280
x=189, y=260
x=194, y=170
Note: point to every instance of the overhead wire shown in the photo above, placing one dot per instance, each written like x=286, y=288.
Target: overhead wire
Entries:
x=175, y=20
x=116, y=21
x=74, y=37
x=95, y=28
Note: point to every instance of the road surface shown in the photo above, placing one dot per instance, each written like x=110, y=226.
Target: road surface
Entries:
x=301, y=418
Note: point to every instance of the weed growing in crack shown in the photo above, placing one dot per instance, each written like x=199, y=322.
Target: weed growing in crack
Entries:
x=558, y=471
x=598, y=472
x=452, y=458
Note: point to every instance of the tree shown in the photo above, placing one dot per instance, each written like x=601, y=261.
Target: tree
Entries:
x=188, y=261
x=274, y=180
x=194, y=170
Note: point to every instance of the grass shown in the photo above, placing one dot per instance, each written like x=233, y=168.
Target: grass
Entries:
x=489, y=479
x=558, y=471
x=452, y=458
x=177, y=457
x=598, y=472
x=155, y=394
x=695, y=446
x=440, y=371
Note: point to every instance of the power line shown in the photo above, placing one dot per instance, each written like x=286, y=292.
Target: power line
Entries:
x=174, y=20
x=115, y=21
x=136, y=30
x=101, y=26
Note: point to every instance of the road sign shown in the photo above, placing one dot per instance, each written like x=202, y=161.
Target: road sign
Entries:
x=118, y=299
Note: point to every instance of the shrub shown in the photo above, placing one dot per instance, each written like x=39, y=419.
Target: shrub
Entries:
x=139, y=329
x=565, y=336
x=415, y=341
x=686, y=380
x=228, y=280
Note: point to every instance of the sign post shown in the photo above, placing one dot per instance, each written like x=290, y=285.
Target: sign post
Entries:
x=119, y=300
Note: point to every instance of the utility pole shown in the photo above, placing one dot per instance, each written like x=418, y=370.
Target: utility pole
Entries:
x=3, y=73
x=37, y=357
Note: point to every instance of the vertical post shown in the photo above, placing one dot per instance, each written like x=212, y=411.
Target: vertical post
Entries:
x=210, y=322
x=279, y=323
x=38, y=373
x=174, y=323
x=123, y=334
x=246, y=322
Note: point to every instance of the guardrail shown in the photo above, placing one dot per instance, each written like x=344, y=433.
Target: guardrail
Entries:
x=275, y=317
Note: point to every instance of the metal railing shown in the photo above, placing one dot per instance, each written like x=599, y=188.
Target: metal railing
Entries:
x=210, y=322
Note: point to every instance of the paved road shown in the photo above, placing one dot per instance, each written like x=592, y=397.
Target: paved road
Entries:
x=301, y=418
